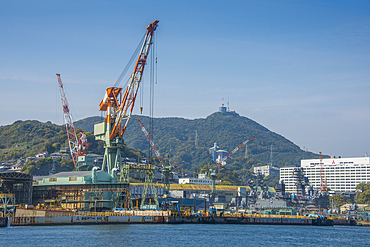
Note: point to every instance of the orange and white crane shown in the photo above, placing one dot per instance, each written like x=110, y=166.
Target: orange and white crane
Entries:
x=118, y=107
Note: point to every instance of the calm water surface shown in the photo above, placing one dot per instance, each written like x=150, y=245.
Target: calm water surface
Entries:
x=184, y=235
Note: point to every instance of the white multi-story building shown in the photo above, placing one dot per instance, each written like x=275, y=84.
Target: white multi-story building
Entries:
x=266, y=170
x=342, y=174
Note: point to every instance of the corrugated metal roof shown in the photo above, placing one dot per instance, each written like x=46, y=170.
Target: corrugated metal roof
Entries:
x=70, y=174
x=64, y=174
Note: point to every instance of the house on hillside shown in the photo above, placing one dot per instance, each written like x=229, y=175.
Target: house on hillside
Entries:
x=42, y=154
x=56, y=156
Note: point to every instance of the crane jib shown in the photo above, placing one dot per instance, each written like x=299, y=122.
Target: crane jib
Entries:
x=235, y=149
x=125, y=107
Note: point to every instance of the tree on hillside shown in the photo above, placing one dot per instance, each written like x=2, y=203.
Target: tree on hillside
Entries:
x=363, y=197
x=339, y=200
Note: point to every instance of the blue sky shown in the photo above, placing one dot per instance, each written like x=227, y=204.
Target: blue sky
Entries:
x=299, y=68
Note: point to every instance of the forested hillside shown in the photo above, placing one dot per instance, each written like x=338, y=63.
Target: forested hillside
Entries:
x=176, y=136
x=27, y=138
x=186, y=141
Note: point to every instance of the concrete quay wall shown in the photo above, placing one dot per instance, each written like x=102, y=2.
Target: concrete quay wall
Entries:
x=3, y=221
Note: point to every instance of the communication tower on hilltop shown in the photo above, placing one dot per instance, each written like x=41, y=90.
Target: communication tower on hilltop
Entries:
x=228, y=104
x=222, y=107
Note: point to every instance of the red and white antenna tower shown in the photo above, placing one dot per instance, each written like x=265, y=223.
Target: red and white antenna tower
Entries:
x=228, y=105
x=71, y=132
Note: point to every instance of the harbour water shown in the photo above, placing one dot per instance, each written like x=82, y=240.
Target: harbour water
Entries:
x=184, y=235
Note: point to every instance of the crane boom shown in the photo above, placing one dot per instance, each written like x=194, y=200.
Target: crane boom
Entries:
x=235, y=149
x=71, y=132
x=119, y=106
x=150, y=141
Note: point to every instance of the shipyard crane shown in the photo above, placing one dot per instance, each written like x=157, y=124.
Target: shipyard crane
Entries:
x=150, y=141
x=323, y=184
x=166, y=167
x=71, y=132
x=77, y=146
x=118, y=107
x=213, y=171
x=232, y=152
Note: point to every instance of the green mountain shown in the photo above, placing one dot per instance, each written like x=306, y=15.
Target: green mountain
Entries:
x=177, y=137
x=186, y=141
x=27, y=138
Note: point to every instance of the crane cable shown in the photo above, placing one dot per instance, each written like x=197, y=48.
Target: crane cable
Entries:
x=134, y=55
x=151, y=98
x=152, y=81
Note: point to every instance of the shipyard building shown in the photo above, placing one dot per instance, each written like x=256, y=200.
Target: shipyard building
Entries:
x=342, y=174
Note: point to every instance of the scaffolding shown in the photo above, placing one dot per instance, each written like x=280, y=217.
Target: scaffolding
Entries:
x=149, y=185
x=7, y=205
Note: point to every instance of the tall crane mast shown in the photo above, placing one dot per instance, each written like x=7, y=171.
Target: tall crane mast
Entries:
x=71, y=132
x=118, y=107
x=166, y=167
x=323, y=184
